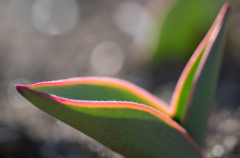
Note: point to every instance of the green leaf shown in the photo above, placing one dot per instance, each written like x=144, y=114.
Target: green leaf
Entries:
x=102, y=89
x=177, y=34
x=205, y=79
x=184, y=85
x=182, y=90
x=184, y=28
x=132, y=129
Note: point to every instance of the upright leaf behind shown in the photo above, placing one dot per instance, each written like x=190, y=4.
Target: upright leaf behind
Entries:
x=204, y=82
x=184, y=28
x=177, y=28
x=185, y=82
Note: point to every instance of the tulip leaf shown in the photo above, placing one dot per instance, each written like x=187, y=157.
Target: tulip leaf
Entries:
x=134, y=130
x=101, y=89
x=184, y=85
x=184, y=27
x=205, y=79
x=182, y=90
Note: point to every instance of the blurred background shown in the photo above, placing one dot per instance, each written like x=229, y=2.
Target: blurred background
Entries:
x=42, y=40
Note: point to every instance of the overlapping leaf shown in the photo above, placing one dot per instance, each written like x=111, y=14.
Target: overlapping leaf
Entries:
x=184, y=85
x=101, y=89
x=195, y=89
x=204, y=83
x=132, y=129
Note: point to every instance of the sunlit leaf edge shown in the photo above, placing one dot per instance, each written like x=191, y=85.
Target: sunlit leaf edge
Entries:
x=110, y=104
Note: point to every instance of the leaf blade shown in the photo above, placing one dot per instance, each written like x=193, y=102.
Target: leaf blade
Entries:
x=183, y=87
x=101, y=88
x=192, y=18
x=205, y=79
x=119, y=125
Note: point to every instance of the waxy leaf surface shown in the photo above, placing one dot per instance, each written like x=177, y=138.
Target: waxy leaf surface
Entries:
x=205, y=80
x=184, y=27
x=132, y=129
x=184, y=86
x=101, y=89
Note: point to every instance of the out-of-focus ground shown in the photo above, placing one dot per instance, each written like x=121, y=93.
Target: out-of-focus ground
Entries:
x=56, y=39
